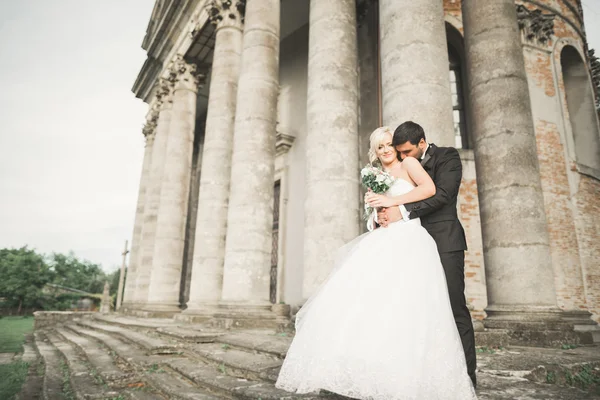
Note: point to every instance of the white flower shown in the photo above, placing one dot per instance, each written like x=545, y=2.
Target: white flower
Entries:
x=380, y=178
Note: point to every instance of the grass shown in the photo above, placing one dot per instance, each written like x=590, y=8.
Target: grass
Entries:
x=222, y=368
x=569, y=346
x=154, y=369
x=12, y=331
x=12, y=336
x=12, y=377
x=584, y=378
x=67, y=389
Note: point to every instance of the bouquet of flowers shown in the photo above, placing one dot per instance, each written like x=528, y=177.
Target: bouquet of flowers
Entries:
x=376, y=180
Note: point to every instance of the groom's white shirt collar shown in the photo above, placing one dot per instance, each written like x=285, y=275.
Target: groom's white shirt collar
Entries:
x=425, y=152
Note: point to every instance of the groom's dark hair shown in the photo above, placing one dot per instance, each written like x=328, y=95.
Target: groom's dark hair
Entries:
x=408, y=132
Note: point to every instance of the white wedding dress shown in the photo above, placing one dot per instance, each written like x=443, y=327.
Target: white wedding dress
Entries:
x=381, y=326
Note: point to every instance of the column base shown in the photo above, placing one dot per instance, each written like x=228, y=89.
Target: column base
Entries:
x=157, y=310
x=229, y=315
x=541, y=326
x=198, y=313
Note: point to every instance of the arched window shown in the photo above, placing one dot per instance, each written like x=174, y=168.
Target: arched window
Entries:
x=582, y=111
x=460, y=114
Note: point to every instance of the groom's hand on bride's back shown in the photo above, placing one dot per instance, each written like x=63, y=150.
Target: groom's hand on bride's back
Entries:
x=388, y=215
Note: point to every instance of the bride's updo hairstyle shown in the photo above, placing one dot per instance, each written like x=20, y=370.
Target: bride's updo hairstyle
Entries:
x=375, y=140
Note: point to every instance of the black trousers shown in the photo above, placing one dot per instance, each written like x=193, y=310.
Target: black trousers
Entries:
x=454, y=267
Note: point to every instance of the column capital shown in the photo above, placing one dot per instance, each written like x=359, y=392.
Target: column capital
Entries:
x=164, y=92
x=149, y=129
x=226, y=13
x=188, y=75
x=535, y=25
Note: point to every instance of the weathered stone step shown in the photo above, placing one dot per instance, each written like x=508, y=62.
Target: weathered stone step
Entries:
x=102, y=362
x=594, y=330
x=84, y=384
x=125, y=350
x=151, y=344
x=237, y=319
x=144, y=395
x=176, y=387
x=33, y=386
x=238, y=363
x=208, y=376
x=273, y=344
x=171, y=385
x=53, y=368
x=492, y=338
x=133, y=322
x=199, y=335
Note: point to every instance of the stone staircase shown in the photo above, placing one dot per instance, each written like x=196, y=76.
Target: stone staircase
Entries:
x=117, y=357
x=130, y=358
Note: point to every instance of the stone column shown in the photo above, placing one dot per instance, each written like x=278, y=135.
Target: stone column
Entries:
x=514, y=229
x=249, y=221
x=164, y=106
x=135, y=257
x=331, y=139
x=211, y=222
x=105, y=302
x=167, y=259
x=415, y=83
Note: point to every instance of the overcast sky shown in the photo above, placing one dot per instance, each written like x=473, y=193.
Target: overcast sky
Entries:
x=70, y=129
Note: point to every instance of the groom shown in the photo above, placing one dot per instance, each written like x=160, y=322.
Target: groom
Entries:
x=439, y=216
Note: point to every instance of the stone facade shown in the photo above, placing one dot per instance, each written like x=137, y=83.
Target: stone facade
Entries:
x=294, y=88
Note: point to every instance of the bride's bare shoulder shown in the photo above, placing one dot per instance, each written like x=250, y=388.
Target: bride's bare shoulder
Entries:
x=410, y=162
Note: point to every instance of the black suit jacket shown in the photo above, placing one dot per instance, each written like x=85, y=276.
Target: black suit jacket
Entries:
x=438, y=213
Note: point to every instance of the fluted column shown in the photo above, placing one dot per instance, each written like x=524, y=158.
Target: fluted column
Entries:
x=164, y=106
x=517, y=258
x=249, y=222
x=415, y=83
x=167, y=260
x=211, y=223
x=331, y=138
x=136, y=245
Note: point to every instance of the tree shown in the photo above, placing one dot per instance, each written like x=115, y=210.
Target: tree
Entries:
x=24, y=273
x=113, y=280
x=71, y=272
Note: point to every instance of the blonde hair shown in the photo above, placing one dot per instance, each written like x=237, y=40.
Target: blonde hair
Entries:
x=375, y=140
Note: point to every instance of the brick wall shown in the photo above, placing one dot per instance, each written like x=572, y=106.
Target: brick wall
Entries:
x=468, y=213
x=571, y=199
x=587, y=222
x=561, y=225
x=584, y=191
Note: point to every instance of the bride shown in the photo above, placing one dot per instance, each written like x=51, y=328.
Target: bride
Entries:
x=381, y=326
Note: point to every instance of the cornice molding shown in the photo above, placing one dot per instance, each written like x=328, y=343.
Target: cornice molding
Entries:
x=175, y=39
x=283, y=143
x=595, y=74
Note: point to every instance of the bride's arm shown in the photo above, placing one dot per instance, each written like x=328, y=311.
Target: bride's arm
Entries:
x=424, y=190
